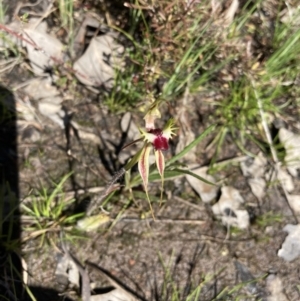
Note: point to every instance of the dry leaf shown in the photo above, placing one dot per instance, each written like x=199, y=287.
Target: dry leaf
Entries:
x=258, y=187
x=45, y=49
x=294, y=202
x=114, y=295
x=286, y=180
x=120, y=293
x=230, y=13
x=76, y=271
x=92, y=223
x=66, y=272
x=206, y=191
x=43, y=89
x=216, y=7
x=25, y=109
x=96, y=66
x=291, y=16
x=49, y=99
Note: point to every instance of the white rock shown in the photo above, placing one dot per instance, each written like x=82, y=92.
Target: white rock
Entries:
x=291, y=144
x=275, y=287
x=240, y=220
x=290, y=249
x=228, y=208
x=256, y=168
x=129, y=126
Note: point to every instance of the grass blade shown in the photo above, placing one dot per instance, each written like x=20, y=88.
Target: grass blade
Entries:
x=177, y=173
x=191, y=145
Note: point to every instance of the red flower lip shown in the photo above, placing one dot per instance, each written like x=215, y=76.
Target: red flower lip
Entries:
x=160, y=142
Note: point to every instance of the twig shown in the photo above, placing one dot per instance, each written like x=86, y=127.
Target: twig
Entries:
x=187, y=203
x=109, y=188
x=127, y=292
x=21, y=5
x=9, y=64
x=165, y=220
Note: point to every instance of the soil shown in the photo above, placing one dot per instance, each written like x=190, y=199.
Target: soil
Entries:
x=184, y=247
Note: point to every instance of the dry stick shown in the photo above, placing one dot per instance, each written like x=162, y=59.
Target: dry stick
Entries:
x=21, y=5
x=187, y=203
x=9, y=64
x=44, y=15
x=165, y=220
x=54, y=59
x=270, y=142
x=127, y=292
x=109, y=188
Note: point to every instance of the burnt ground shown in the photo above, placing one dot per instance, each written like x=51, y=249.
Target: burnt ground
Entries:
x=186, y=246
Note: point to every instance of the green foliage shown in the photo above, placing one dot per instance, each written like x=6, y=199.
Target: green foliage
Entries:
x=171, y=291
x=238, y=112
x=66, y=9
x=49, y=211
x=169, y=52
x=3, y=10
x=163, y=67
x=268, y=219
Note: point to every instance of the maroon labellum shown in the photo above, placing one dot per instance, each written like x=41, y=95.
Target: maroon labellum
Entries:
x=160, y=142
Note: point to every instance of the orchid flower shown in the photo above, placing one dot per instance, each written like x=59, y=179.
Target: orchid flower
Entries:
x=159, y=140
x=155, y=138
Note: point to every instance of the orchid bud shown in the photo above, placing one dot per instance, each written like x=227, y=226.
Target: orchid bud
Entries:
x=150, y=117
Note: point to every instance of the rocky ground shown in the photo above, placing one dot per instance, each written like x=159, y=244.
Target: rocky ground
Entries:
x=222, y=241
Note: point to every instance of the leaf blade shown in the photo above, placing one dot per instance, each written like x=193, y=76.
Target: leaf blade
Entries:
x=191, y=145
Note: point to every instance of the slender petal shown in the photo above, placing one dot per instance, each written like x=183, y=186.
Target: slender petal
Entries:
x=160, y=162
x=143, y=164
